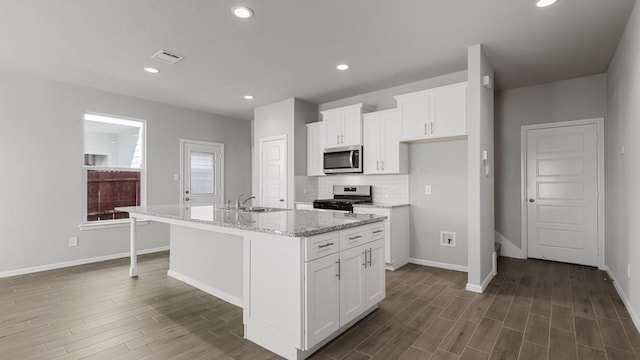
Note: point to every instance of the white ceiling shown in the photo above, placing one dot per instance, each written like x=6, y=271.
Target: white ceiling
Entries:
x=290, y=47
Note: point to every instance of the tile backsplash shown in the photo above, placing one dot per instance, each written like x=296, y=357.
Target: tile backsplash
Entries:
x=306, y=188
x=387, y=189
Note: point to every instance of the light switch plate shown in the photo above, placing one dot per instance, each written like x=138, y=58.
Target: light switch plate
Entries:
x=427, y=189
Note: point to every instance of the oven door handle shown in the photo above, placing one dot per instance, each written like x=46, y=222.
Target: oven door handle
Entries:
x=353, y=152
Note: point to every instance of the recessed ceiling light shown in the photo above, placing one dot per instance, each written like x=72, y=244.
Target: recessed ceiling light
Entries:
x=242, y=12
x=248, y=97
x=545, y=3
x=342, y=67
x=151, y=70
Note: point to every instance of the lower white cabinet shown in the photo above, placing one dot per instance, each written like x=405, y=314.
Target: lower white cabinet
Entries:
x=342, y=286
x=374, y=281
x=396, y=233
x=352, y=284
x=323, y=299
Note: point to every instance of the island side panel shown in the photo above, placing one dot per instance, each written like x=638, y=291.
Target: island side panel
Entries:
x=273, y=292
x=208, y=260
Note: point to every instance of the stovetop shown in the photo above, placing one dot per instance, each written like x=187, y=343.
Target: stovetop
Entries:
x=344, y=197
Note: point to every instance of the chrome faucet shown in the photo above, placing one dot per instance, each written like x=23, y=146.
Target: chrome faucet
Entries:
x=238, y=207
x=247, y=199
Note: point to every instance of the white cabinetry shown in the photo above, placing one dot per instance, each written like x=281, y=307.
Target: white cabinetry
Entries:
x=343, y=126
x=315, y=148
x=323, y=299
x=434, y=113
x=383, y=152
x=345, y=282
x=396, y=233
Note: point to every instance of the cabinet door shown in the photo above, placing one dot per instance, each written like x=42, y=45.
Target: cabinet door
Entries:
x=322, y=299
x=449, y=111
x=315, y=149
x=352, y=301
x=333, y=128
x=374, y=283
x=352, y=131
x=390, y=143
x=372, y=149
x=414, y=112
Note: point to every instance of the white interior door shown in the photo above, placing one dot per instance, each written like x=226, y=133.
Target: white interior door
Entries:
x=202, y=172
x=562, y=191
x=273, y=172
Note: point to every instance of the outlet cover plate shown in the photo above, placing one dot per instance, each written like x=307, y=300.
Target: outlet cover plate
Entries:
x=448, y=238
x=73, y=241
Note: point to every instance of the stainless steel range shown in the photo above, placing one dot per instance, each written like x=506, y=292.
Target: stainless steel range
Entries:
x=344, y=197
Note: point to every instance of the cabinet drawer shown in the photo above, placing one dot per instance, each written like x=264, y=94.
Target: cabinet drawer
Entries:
x=350, y=238
x=377, y=230
x=321, y=245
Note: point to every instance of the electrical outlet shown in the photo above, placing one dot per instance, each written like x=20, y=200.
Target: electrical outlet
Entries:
x=628, y=271
x=448, y=238
x=427, y=189
x=73, y=241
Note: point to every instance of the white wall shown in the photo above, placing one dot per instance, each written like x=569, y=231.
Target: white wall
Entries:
x=442, y=165
x=287, y=117
x=622, y=127
x=41, y=156
x=575, y=99
x=480, y=123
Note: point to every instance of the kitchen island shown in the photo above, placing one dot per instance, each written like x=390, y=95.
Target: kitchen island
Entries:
x=301, y=277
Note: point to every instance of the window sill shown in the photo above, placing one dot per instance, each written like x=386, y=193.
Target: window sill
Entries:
x=109, y=224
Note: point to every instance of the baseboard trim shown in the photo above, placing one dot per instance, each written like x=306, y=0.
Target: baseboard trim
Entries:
x=627, y=304
x=440, y=265
x=507, y=248
x=483, y=286
x=207, y=288
x=35, y=269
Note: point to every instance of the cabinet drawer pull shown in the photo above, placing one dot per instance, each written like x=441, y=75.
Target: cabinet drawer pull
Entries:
x=325, y=245
x=337, y=139
x=431, y=128
x=425, y=128
x=378, y=231
x=338, y=274
x=365, y=259
x=355, y=237
x=369, y=257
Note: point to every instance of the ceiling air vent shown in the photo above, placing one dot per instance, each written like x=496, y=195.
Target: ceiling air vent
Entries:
x=167, y=57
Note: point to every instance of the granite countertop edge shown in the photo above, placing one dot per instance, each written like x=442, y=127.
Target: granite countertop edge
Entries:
x=372, y=205
x=305, y=233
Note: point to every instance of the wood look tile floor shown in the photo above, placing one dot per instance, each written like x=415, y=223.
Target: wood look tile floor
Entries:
x=531, y=310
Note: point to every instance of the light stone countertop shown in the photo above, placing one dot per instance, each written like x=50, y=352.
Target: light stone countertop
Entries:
x=293, y=223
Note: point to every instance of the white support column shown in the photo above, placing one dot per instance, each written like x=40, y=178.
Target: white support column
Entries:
x=133, y=269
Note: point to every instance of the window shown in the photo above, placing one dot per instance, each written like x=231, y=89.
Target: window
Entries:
x=114, y=153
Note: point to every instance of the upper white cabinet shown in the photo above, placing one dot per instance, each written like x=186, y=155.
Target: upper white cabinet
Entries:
x=315, y=148
x=434, y=113
x=383, y=152
x=343, y=126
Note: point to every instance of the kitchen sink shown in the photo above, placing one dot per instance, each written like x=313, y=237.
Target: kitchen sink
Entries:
x=260, y=209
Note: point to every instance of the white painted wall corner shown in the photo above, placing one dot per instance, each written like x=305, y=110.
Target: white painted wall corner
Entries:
x=627, y=303
x=507, y=248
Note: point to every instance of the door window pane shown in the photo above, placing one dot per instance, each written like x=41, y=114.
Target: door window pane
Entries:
x=202, y=173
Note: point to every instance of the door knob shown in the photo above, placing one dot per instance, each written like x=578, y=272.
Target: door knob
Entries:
x=186, y=199
x=281, y=200
x=531, y=200
x=187, y=192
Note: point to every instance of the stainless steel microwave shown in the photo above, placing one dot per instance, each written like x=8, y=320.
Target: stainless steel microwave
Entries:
x=346, y=159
